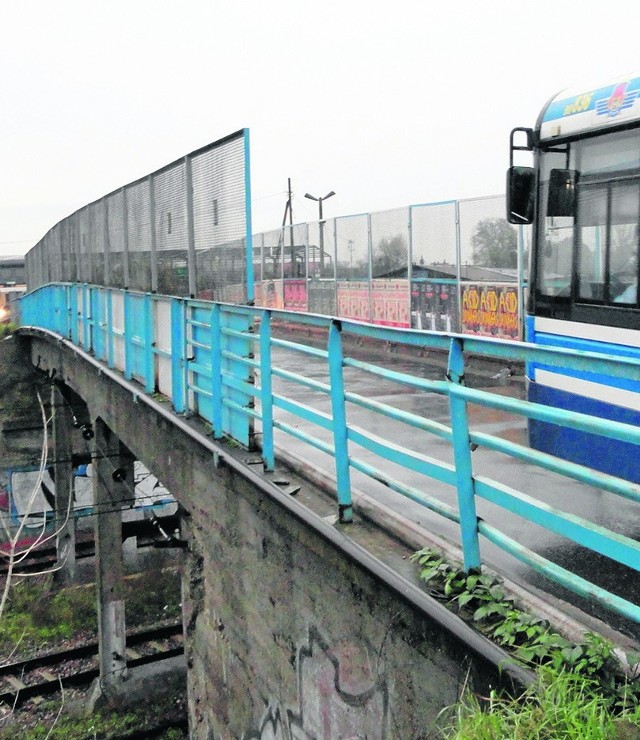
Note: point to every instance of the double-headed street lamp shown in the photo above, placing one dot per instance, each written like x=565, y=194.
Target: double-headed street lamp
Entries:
x=320, y=224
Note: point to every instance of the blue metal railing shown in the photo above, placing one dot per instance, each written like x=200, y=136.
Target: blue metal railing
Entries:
x=201, y=355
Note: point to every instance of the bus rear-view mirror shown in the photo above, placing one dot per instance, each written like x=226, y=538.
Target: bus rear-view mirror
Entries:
x=520, y=194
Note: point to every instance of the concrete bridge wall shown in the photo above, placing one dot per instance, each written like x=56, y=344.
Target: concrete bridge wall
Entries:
x=292, y=628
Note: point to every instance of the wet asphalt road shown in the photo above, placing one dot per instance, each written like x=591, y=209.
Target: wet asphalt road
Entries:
x=613, y=512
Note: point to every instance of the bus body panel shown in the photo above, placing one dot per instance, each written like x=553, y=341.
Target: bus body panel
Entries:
x=616, y=399
x=608, y=455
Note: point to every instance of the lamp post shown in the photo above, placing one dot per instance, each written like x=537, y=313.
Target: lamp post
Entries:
x=320, y=224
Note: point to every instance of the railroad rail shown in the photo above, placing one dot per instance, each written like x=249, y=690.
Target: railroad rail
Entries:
x=77, y=667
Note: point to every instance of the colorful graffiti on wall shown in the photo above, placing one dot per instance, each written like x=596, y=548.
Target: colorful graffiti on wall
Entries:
x=490, y=310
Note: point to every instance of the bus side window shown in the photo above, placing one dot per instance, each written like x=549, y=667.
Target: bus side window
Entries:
x=623, y=243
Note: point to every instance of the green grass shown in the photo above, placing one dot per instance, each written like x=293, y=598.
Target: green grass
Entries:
x=72, y=728
x=560, y=705
x=44, y=722
x=38, y=614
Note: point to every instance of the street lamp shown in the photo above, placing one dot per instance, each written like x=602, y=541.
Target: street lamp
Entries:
x=320, y=224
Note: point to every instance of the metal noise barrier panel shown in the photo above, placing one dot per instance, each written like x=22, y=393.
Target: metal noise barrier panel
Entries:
x=182, y=230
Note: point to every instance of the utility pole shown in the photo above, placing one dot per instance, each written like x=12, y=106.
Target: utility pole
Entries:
x=320, y=224
x=289, y=209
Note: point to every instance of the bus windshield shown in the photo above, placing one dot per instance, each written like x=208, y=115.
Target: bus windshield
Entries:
x=590, y=253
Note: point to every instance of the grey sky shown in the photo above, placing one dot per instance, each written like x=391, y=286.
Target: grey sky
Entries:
x=388, y=104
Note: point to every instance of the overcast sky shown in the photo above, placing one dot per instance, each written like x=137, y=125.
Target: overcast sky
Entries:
x=387, y=103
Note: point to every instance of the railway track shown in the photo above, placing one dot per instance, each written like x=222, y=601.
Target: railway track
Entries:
x=35, y=678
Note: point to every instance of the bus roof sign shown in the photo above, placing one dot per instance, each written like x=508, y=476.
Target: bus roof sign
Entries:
x=574, y=112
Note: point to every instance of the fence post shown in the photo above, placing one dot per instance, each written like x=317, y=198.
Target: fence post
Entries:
x=458, y=328
x=107, y=243
x=462, y=461
x=369, y=266
x=154, y=238
x=125, y=234
x=266, y=391
x=338, y=410
x=410, y=259
x=250, y=287
x=216, y=371
x=191, y=235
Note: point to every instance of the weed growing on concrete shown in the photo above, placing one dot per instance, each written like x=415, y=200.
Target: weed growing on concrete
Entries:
x=482, y=600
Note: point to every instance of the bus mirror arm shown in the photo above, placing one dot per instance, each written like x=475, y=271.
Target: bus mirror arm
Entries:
x=526, y=147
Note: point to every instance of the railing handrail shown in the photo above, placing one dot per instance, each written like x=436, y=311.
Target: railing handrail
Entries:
x=211, y=364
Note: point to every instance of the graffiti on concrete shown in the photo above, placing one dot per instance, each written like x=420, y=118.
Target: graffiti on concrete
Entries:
x=340, y=696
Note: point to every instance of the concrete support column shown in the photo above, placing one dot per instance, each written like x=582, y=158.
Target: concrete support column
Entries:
x=65, y=520
x=112, y=486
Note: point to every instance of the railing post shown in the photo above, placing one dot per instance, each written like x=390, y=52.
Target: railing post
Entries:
x=86, y=317
x=110, y=352
x=128, y=359
x=96, y=337
x=178, y=355
x=69, y=304
x=73, y=304
x=59, y=317
x=340, y=440
x=462, y=461
x=149, y=342
x=216, y=371
x=266, y=392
